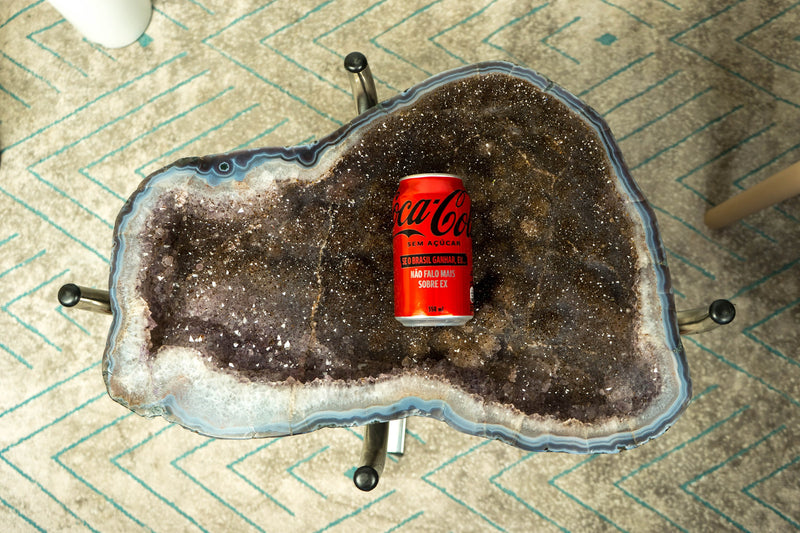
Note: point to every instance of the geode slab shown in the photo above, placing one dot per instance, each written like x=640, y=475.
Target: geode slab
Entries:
x=252, y=291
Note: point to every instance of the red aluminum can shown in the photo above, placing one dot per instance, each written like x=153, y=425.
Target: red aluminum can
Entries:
x=432, y=239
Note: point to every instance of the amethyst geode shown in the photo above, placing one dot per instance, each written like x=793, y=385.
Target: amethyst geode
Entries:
x=252, y=291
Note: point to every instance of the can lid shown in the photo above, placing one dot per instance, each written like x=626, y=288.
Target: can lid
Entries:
x=431, y=175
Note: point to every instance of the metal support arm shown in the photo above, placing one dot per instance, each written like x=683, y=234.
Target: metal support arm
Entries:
x=388, y=437
x=701, y=319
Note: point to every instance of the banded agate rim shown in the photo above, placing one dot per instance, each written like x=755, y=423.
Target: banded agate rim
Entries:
x=176, y=381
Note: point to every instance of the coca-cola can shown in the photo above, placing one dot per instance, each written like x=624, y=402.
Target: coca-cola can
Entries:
x=432, y=242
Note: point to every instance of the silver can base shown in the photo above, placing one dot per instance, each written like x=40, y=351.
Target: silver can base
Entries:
x=421, y=320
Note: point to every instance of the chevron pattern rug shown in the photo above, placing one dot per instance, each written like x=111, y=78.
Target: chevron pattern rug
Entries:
x=704, y=99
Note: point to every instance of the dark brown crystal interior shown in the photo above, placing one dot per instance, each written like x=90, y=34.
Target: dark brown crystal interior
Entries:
x=296, y=285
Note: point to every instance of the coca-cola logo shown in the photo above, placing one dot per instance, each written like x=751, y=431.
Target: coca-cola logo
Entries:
x=442, y=216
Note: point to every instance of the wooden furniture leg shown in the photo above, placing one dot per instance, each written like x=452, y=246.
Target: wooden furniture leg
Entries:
x=774, y=189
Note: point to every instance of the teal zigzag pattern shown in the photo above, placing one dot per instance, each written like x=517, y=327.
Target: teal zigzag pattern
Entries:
x=702, y=98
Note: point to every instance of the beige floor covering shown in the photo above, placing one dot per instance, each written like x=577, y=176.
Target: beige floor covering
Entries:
x=704, y=98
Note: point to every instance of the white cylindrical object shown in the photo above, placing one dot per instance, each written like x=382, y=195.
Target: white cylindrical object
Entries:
x=110, y=23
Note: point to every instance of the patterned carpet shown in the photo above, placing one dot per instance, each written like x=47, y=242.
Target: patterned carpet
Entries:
x=703, y=98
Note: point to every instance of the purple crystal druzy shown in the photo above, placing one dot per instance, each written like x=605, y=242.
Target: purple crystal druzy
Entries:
x=252, y=291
